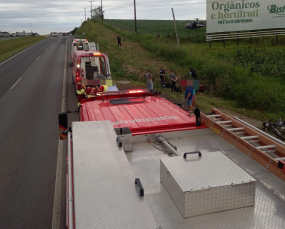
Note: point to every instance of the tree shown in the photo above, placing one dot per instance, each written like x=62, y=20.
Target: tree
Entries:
x=74, y=30
x=96, y=13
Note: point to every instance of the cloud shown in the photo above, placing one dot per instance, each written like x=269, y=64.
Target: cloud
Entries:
x=46, y=16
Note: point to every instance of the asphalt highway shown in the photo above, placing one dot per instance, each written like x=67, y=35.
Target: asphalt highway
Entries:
x=30, y=99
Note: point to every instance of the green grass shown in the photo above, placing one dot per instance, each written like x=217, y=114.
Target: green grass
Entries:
x=163, y=27
x=11, y=47
x=206, y=102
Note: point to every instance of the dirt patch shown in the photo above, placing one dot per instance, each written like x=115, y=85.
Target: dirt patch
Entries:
x=123, y=82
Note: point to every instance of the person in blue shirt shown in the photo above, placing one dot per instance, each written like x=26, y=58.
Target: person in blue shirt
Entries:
x=188, y=97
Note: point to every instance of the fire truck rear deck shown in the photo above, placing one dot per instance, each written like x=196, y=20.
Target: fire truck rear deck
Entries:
x=115, y=172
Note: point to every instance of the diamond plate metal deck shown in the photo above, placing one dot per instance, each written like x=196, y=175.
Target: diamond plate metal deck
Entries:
x=269, y=210
x=104, y=189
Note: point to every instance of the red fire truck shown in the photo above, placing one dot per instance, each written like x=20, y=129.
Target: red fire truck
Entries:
x=136, y=160
x=90, y=65
x=79, y=44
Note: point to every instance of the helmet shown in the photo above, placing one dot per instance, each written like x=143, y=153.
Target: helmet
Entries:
x=78, y=80
x=265, y=124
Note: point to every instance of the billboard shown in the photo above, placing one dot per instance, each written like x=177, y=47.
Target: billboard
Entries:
x=241, y=15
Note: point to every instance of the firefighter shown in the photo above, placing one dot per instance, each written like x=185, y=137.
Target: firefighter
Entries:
x=91, y=92
x=80, y=91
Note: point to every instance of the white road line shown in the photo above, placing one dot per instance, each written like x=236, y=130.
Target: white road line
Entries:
x=58, y=176
x=38, y=58
x=20, y=52
x=47, y=48
x=16, y=83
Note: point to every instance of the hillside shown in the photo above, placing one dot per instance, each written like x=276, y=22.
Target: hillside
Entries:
x=231, y=82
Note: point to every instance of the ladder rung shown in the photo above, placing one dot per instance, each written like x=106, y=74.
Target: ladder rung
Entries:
x=224, y=122
x=249, y=137
x=217, y=119
x=240, y=133
x=226, y=126
x=253, y=141
x=280, y=158
x=214, y=116
x=236, y=129
x=266, y=147
x=270, y=151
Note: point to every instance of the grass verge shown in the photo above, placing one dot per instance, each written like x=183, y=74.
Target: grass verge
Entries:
x=11, y=47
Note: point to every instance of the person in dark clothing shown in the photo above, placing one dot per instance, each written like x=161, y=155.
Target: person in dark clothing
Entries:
x=119, y=41
x=193, y=73
x=162, y=77
x=173, y=79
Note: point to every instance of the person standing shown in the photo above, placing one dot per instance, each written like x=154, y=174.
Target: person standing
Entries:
x=162, y=77
x=188, y=97
x=119, y=41
x=173, y=79
x=149, y=81
x=193, y=73
x=194, y=99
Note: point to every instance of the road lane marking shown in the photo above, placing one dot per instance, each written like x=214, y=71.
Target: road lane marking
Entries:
x=20, y=53
x=58, y=176
x=16, y=83
x=38, y=58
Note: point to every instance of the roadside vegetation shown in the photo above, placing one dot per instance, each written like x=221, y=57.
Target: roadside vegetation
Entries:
x=163, y=28
x=247, y=79
x=11, y=47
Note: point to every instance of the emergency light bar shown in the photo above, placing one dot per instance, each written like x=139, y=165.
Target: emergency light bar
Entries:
x=96, y=54
x=137, y=91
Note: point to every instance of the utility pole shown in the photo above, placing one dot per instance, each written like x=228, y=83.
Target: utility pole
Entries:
x=175, y=28
x=135, y=15
x=85, y=13
x=91, y=8
x=101, y=11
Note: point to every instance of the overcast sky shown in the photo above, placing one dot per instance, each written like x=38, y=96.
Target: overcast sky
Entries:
x=46, y=16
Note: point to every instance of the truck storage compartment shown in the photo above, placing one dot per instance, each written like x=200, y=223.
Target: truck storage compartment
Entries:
x=207, y=184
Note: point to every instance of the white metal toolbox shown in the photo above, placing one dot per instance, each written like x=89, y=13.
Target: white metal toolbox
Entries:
x=206, y=184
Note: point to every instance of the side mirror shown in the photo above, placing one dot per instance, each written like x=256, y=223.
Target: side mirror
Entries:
x=70, y=64
x=63, y=124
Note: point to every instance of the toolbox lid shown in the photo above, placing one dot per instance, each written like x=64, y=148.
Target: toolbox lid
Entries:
x=105, y=194
x=211, y=170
